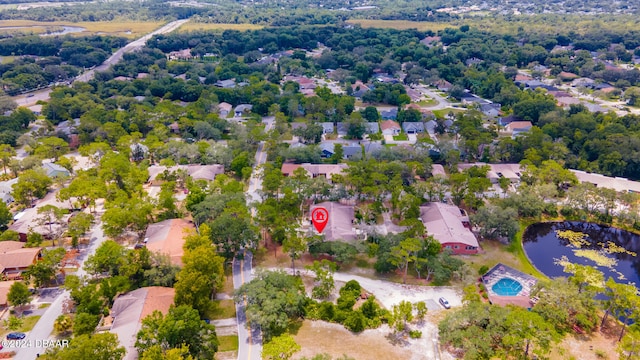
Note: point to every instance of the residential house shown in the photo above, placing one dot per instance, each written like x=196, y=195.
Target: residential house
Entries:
x=582, y=82
x=513, y=172
x=522, y=77
x=604, y=87
x=341, y=129
x=471, y=99
x=491, y=110
x=372, y=128
x=594, y=108
x=168, y=237
x=315, y=170
x=473, y=61
x=68, y=127
x=5, y=286
x=6, y=190
x=15, y=258
x=567, y=76
x=348, y=151
x=138, y=151
x=443, y=85
x=298, y=125
x=450, y=226
x=438, y=170
x=122, y=78
x=327, y=127
x=618, y=184
x=430, y=41
x=242, y=110
x=389, y=114
x=518, y=127
x=413, y=127
x=226, y=84
x=28, y=220
x=55, y=171
x=180, y=55
x=129, y=309
x=390, y=127
x=566, y=102
x=195, y=171
x=359, y=89
x=504, y=121
x=174, y=127
x=340, y=224
x=35, y=109
x=224, y=109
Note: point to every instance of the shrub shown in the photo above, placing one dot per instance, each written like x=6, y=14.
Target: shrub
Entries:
x=415, y=334
x=355, y=322
x=483, y=270
x=326, y=311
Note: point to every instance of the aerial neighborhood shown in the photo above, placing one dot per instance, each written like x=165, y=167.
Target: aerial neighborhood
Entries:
x=313, y=181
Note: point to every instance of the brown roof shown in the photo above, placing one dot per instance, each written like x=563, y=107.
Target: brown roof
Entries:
x=521, y=77
x=445, y=223
x=19, y=258
x=519, y=125
x=10, y=245
x=167, y=237
x=4, y=291
x=389, y=124
x=129, y=309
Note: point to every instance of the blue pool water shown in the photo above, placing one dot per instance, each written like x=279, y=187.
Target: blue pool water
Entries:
x=507, y=287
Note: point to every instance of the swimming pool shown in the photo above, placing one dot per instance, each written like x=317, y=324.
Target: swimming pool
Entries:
x=507, y=287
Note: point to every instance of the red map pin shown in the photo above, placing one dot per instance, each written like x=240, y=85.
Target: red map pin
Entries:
x=320, y=217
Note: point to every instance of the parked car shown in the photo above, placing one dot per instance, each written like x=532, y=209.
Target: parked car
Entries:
x=16, y=336
x=444, y=303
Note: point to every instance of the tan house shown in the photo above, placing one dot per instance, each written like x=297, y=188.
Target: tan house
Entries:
x=168, y=237
x=315, y=170
x=450, y=226
x=195, y=171
x=4, y=292
x=15, y=258
x=129, y=309
x=390, y=127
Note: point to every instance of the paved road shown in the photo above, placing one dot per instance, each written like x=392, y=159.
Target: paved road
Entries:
x=44, y=327
x=132, y=46
x=249, y=338
x=32, y=97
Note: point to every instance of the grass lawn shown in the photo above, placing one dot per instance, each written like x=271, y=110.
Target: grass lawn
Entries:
x=7, y=59
x=29, y=322
x=44, y=305
x=401, y=24
x=228, y=343
x=196, y=26
x=430, y=102
x=401, y=137
x=444, y=112
x=221, y=309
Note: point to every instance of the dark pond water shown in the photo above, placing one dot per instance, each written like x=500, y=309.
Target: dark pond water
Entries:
x=543, y=248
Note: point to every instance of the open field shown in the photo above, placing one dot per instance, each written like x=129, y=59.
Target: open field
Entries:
x=130, y=29
x=228, y=343
x=196, y=26
x=536, y=24
x=402, y=24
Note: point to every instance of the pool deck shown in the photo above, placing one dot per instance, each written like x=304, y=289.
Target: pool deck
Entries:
x=501, y=271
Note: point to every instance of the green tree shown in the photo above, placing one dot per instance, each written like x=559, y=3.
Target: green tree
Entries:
x=403, y=254
x=31, y=185
x=280, y=348
x=294, y=245
x=78, y=225
x=85, y=324
x=5, y=215
x=202, y=275
x=18, y=295
x=338, y=154
x=526, y=329
x=101, y=346
x=107, y=258
x=401, y=314
x=156, y=352
x=273, y=300
x=585, y=276
x=48, y=216
x=51, y=148
x=495, y=222
x=181, y=327
x=7, y=153
x=44, y=271
x=629, y=347
x=324, y=271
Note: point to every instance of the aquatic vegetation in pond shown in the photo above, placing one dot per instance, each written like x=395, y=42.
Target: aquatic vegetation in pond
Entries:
x=575, y=238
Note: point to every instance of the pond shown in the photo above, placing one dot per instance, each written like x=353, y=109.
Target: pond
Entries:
x=608, y=249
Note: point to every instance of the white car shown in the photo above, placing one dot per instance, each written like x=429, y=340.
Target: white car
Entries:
x=444, y=303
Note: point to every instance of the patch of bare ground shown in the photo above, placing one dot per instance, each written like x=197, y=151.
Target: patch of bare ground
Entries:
x=592, y=346
x=227, y=355
x=317, y=337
